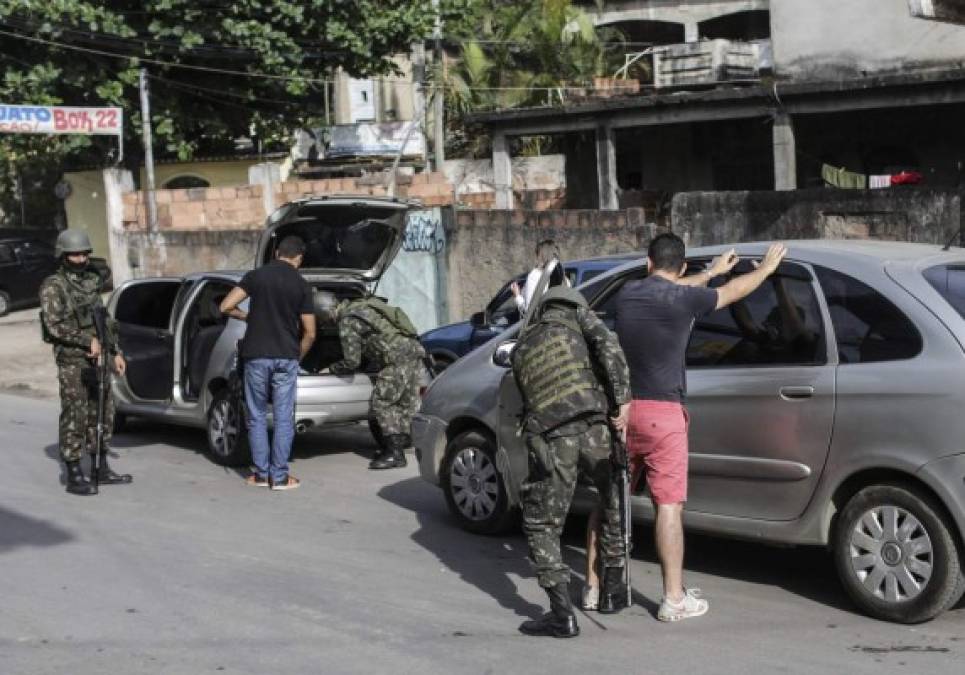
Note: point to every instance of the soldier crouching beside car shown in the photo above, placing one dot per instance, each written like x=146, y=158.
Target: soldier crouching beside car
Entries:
x=572, y=374
x=382, y=334
x=68, y=298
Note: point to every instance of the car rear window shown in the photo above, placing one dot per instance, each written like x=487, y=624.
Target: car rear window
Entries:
x=867, y=326
x=949, y=281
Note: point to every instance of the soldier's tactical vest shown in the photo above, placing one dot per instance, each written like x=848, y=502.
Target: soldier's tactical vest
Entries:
x=555, y=374
x=82, y=297
x=392, y=331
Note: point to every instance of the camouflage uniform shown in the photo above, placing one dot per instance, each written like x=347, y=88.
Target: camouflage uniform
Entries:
x=366, y=333
x=67, y=302
x=581, y=443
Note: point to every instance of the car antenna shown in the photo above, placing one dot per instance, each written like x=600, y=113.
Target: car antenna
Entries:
x=958, y=233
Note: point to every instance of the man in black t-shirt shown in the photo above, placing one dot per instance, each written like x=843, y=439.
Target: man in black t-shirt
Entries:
x=654, y=317
x=281, y=330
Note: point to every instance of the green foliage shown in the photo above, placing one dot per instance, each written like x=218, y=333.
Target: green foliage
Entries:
x=298, y=43
x=521, y=54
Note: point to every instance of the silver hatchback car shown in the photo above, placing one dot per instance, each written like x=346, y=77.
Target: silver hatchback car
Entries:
x=827, y=408
x=182, y=352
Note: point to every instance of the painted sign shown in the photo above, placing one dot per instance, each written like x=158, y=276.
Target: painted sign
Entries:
x=56, y=119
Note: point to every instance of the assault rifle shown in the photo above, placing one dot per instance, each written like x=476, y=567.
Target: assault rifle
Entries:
x=621, y=465
x=103, y=389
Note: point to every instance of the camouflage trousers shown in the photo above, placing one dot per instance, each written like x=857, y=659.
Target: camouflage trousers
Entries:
x=78, y=411
x=395, y=398
x=546, y=500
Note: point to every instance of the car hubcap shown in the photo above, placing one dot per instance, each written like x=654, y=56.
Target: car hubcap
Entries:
x=223, y=428
x=474, y=483
x=891, y=554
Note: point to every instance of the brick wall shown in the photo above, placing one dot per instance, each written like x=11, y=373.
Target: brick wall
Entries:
x=242, y=207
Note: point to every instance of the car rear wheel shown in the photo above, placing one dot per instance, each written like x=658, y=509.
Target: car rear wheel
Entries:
x=895, y=554
x=474, y=488
x=4, y=303
x=227, y=435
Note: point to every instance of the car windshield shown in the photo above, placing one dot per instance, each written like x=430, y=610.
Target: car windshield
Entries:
x=949, y=281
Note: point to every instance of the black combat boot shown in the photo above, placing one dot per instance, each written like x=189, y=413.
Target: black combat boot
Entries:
x=395, y=457
x=560, y=621
x=77, y=483
x=107, y=476
x=613, y=595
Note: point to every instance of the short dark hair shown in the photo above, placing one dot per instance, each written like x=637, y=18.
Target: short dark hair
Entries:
x=291, y=246
x=546, y=250
x=667, y=252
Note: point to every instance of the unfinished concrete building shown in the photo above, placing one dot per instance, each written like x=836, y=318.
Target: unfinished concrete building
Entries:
x=757, y=95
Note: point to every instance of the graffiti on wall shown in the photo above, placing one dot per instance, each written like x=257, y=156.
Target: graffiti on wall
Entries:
x=424, y=232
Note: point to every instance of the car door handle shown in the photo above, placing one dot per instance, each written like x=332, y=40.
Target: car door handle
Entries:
x=796, y=393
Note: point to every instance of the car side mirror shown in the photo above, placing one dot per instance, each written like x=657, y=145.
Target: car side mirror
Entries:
x=478, y=320
x=502, y=357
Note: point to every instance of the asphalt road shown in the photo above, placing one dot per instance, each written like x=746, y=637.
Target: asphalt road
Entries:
x=190, y=571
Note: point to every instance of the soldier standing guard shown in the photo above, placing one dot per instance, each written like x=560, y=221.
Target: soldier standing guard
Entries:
x=369, y=327
x=67, y=301
x=572, y=374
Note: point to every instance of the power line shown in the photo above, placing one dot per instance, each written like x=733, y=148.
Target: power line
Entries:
x=141, y=40
x=168, y=64
x=285, y=78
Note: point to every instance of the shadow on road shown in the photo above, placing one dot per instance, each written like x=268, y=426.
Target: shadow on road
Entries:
x=354, y=438
x=19, y=530
x=488, y=562
x=484, y=562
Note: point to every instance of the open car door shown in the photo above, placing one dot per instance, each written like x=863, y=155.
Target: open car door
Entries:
x=142, y=309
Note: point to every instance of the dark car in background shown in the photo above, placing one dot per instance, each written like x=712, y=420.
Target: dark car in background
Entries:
x=24, y=263
x=450, y=342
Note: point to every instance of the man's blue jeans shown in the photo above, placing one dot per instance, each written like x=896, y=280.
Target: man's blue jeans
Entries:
x=279, y=376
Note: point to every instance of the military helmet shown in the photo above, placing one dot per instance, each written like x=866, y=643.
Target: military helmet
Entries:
x=326, y=307
x=562, y=295
x=72, y=241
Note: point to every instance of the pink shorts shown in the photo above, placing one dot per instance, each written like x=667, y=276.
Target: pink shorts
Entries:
x=657, y=444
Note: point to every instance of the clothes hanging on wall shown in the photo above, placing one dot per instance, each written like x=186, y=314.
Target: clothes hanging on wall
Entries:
x=842, y=178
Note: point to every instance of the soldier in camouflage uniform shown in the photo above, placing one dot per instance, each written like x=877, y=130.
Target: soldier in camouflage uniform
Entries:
x=67, y=301
x=382, y=335
x=572, y=374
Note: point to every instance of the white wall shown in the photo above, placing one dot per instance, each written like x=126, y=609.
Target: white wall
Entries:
x=827, y=39
x=546, y=172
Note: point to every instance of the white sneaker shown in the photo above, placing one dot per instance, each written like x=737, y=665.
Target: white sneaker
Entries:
x=690, y=606
x=591, y=597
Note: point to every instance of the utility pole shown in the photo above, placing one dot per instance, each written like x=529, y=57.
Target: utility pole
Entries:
x=438, y=142
x=148, y=153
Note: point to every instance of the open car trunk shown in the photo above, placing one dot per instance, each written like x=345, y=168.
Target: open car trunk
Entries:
x=328, y=346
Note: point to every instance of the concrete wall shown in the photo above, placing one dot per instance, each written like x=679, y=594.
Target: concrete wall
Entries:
x=86, y=208
x=486, y=248
x=689, y=14
x=906, y=214
x=218, y=174
x=827, y=39
x=394, y=99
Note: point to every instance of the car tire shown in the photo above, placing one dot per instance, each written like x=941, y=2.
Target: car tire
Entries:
x=226, y=432
x=474, y=488
x=896, y=555
x=4, y=303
